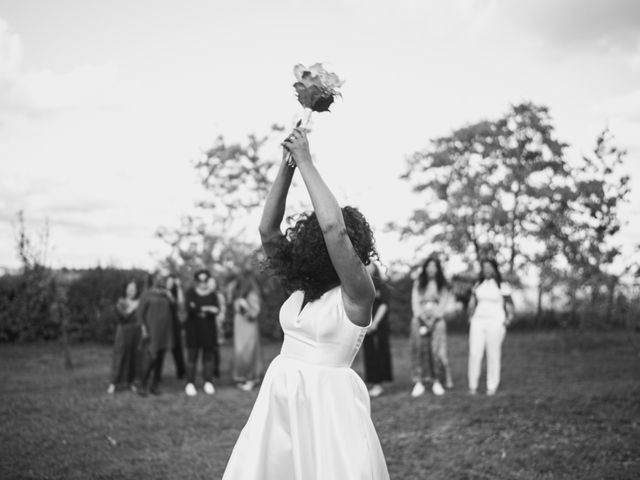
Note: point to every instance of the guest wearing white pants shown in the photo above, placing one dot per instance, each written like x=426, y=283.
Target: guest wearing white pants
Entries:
x=491, y=310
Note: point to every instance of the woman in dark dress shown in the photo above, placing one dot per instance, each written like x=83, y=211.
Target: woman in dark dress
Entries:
x=123, y=365
x=155, y=314
x=376, y=346
x=203, y=306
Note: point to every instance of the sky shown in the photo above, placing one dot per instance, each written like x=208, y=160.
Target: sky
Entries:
x=104, y=106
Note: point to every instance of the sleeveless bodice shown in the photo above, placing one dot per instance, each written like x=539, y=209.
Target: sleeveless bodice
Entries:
x=320, y=333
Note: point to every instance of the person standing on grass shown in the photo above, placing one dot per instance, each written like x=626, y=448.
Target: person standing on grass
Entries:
x=203, y=306
x=155, y=317
x=376, y=344
x=174, y=288
x=247, y=363
x=123, y=365
x=312, y=417
x=490, y=312
x=428, y=337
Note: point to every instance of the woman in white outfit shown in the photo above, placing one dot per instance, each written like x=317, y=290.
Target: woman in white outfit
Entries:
x=311, y=419
x=491, y=311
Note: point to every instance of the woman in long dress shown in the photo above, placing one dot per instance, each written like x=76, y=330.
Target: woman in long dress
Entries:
x=125, y=345
x=376, y=345
x=311, y=419
x=247, y=364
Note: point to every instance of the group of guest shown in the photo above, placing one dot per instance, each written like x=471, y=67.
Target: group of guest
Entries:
x=490, y=311
x=153, y=324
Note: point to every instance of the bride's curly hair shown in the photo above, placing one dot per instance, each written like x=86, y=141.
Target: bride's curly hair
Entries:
x=302, y=262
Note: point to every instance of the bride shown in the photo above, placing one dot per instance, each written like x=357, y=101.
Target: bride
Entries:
x=311, y=419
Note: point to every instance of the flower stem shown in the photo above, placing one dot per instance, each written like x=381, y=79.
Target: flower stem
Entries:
x=290, y=161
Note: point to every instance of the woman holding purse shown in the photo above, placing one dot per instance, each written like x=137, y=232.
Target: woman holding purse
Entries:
x=430, y=297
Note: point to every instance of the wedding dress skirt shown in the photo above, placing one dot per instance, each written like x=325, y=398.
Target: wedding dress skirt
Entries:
x=311, y=419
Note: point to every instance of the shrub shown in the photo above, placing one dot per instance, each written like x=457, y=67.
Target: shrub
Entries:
x=25, y=306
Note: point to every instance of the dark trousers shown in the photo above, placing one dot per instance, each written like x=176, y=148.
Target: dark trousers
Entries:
x=177, y=350
x=210, y=359
x=151, y=369
x=216, y=361
x=178, y=359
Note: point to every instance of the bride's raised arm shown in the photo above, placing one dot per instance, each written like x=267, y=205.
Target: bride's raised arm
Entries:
x=357, y=286
x=273, y=213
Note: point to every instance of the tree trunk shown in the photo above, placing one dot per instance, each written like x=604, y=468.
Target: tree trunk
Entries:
x=63, y=318
x=68, y=363
x=514, y=218
x=539, y=309
x=574, y=307
x=612, y=291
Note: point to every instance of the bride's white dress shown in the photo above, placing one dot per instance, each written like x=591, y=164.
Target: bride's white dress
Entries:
x=311, y=420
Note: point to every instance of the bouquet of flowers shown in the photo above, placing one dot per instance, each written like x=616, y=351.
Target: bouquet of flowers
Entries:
x=316, y=90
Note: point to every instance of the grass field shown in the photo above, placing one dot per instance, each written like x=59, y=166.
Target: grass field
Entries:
x=569, y=408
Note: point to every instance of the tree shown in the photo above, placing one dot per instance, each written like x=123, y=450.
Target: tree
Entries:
x=236, y=178
x=582, y=234
x=28, y=299
x=489, y=186
x=237, y=175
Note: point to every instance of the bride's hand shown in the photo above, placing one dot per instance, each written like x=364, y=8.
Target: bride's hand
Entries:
x=298, y=145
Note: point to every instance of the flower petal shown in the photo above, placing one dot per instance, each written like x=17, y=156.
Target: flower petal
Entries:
x=298, y=70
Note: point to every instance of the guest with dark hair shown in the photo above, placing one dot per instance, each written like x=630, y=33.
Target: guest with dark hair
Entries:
x=174, y=288
x=203, y=306
x=428, y=339
x=155, y=317
x=490, y=312
x=247, y=363
x=123, y=364
x=376, y=345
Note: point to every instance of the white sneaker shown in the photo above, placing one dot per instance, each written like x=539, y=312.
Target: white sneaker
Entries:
x=376, y=391
x=418, y=389
x=190, y=390
x=112, y=389
x=491, y=393
x=247, y=386
x=437, y=388
x=209, y=389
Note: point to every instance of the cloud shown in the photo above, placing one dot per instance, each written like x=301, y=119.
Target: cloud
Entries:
x=621, y=107
x=572, y=25
x=84, y=86
x=10, y=51
x=33, y=92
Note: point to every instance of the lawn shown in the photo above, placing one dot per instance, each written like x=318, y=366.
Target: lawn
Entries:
x=569, y=408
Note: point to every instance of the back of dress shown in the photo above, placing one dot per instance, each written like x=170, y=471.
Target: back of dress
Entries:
x=320, y=332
